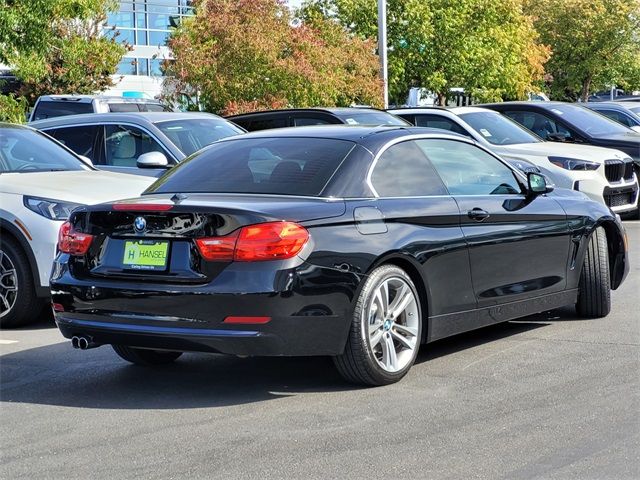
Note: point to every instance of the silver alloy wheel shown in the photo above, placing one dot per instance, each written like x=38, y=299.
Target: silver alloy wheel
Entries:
x=392, y=323
x=8, y=284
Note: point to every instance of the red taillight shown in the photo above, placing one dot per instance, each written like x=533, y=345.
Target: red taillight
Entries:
x=270, y=241
x=72, y=242
x=264, y=241
x=142, y=207
x=218, y=249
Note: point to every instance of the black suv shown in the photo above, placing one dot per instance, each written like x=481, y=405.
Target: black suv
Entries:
x=568, y=122
x=300, y=117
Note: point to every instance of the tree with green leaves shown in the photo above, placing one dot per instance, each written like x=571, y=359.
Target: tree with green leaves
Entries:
x=595, y=44
x=57, y=46
x=488, y=48
x=243, y=55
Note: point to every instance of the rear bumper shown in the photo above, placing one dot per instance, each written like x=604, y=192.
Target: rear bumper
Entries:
x=309, y=314
x=293, y=336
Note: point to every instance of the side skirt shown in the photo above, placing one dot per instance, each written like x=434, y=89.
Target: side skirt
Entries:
x=443, y=326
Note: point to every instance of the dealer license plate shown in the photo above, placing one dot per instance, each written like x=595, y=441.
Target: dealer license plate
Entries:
x=145, y=255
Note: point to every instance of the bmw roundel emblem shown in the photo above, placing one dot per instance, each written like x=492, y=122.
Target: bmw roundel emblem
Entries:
x=139, y=224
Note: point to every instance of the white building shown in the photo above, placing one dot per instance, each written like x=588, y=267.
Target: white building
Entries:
x=145, y=25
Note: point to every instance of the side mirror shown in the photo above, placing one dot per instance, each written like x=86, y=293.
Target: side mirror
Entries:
x=86, y=160
x=152, y=160
x=537, y=184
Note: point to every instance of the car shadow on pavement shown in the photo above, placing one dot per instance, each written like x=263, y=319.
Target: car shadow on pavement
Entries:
x=97, y=378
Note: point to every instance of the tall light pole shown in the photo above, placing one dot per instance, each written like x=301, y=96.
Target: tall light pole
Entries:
x=382, y=49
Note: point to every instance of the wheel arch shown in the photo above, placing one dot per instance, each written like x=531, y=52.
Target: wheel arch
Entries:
x=11, y=231
x=616, y=247
x=412, y=267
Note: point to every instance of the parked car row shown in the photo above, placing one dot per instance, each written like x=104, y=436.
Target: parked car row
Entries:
x=360, y=241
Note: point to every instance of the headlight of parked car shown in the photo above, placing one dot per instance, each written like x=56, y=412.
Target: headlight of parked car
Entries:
x=574, y=163
x=53, y=209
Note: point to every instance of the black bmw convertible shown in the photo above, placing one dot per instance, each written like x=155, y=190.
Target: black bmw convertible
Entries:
x=361, y=243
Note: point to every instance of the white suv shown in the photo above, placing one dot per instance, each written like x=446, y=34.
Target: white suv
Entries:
x=40, y=183
x=605, y=175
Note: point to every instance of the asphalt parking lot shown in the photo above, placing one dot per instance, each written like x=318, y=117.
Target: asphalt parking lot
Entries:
x=548, y=396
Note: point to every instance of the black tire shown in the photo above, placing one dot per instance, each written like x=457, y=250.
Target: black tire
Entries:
x=22, y=306
x=594, y=289
x=358, y=363
x=141, y=356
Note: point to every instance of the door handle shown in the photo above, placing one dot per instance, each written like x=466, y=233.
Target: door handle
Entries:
x=478, y=214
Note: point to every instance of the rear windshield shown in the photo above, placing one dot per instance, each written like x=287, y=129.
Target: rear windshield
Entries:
x=371, y=118
x=60, y=109
x=192, y=135
x=279, y=166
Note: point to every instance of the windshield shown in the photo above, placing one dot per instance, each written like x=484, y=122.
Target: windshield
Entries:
x=587, y=120
x=498, y=129
x=370, y=118
x=193, y=134
x=277, y=165
x=26, y=151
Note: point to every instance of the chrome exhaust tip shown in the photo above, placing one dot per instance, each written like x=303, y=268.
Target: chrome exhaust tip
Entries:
x=75, y=342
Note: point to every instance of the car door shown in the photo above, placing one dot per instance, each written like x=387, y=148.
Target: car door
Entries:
x=124, y=144
x=518, y=244
x=420, y=214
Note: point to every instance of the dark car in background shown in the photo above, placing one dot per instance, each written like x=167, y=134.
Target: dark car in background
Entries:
x=625, y=113
x=301, y=117
x=137, y=143
x=360, y=243
x=568, y=122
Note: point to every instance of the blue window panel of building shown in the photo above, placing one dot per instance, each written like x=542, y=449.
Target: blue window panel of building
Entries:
x=141, y=37
x=158, y=38
x=143, y=66
x=121, y=19
x=126, y=67
x=155, y=67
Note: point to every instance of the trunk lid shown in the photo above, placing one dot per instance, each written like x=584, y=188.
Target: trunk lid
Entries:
x=153, y=238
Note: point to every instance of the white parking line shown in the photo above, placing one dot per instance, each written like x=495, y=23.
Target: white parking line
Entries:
x=7, y=342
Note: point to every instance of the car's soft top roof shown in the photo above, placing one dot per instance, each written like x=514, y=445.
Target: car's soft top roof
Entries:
x=136, y=117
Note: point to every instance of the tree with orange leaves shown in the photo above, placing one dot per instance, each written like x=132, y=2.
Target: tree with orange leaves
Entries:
x=244, y=55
